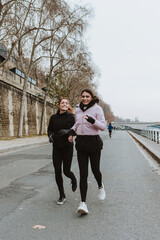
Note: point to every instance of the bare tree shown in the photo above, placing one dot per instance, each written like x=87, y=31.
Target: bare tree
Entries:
x=14, y=24
x=48, y=34
x=31, y=45
x=109, y=116
x=5, y=8
x=61, y=48
x=48, y=20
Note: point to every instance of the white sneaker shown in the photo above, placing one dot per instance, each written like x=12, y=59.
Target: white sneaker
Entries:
x=82, y=208
x=101, y=193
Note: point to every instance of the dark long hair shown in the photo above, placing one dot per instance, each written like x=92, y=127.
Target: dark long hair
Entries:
x=91, y=93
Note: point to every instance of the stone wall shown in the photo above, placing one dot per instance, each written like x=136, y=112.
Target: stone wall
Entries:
x=10, y=99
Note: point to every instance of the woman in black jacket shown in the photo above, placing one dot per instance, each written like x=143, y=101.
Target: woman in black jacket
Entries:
x=58, y=130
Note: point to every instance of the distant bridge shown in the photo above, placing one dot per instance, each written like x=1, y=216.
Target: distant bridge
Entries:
x=137, y=125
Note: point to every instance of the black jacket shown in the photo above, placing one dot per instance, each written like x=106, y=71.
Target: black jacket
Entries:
x=58, y=122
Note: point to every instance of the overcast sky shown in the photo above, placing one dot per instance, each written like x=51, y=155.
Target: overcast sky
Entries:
x=124, y=39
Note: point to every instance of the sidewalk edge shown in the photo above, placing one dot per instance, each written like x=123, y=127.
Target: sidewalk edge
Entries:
x=146, y=148
x=23, y=146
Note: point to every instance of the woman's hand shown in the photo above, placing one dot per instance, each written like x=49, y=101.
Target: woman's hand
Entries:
x=70, y=138
x=89, y=119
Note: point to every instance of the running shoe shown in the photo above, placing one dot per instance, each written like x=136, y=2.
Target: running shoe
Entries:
x=101, y=193
x=61, y=200
x=82, y=208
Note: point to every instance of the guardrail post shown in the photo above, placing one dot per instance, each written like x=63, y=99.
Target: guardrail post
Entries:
x=154, y=136
x=157, y=137
x=150, y=137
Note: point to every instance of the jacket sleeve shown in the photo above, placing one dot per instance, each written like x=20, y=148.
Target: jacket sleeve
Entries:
x=100, y=122
x=50, y=130
x=72, y=120
x=74, y=127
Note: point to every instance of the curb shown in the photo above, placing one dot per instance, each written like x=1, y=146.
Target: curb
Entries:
x=23, y=146
x=154, y=155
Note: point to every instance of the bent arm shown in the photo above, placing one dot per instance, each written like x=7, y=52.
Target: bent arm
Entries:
x=50, y=130
x=100, y=122
x=74, y=127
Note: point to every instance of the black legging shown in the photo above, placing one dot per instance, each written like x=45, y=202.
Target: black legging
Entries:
x=62, y=155
x=83, y=159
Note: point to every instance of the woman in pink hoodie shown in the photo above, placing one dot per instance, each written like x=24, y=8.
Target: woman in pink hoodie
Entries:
x=89, y=119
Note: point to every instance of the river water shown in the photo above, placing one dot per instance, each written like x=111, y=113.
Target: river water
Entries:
x=152, y=128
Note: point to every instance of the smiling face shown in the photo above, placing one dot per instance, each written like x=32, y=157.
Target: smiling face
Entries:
x=86, y=98
x=63, y=105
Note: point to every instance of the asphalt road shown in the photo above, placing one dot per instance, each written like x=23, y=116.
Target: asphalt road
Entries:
x=130, y=211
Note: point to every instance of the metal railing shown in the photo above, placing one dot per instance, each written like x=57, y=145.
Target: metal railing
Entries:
x=150, y=134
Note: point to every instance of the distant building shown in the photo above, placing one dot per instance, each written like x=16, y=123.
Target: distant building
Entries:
x=4, y=53
x=128, y=120
x=11, y=64
x=11, y=87
x=21, y=74
x=136, y=119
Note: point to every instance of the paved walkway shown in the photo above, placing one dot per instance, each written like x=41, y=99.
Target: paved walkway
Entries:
x=14, y=144
x=130, y=211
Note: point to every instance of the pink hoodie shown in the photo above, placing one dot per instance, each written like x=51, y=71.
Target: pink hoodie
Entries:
x=83, y=127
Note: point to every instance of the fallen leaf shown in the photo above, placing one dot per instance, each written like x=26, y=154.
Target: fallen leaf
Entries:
x=38, y=227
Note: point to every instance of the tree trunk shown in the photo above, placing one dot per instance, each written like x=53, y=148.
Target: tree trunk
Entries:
x=21, y=115
x=43, y=114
